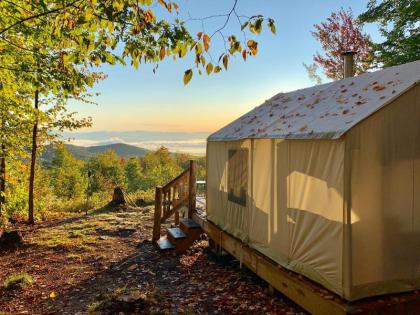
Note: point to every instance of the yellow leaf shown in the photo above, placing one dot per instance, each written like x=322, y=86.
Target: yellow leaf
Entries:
x=251, y=43
x=175, y=5
x=198, y=49
x=209, y=68
x=187, y=76
x=149, y=16
x=169, y=7
x=225, y=61
x=162, y=53
x=52, y=295
x=111, y=27
x=162, y=3
x=89, y=15
x=206, y=42
x=217, y=69
x=253, y=46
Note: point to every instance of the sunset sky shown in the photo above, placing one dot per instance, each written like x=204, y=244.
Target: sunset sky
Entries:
x=140, y=100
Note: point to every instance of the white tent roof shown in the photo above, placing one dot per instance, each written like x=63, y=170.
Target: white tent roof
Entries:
x=324, y=111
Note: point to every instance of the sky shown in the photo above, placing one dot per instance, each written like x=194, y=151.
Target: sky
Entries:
x=132, y=100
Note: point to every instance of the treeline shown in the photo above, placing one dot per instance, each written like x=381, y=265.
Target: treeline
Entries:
x=67, y=184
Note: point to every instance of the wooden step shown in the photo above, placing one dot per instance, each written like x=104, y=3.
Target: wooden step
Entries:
x=175, y=235
x=164, y=244
x=191, y=228
x=188, y=224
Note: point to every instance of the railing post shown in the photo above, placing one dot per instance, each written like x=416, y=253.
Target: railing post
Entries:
x=158, y=214
x=192, y=189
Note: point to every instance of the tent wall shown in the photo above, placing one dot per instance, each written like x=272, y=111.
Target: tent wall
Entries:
x=384, y=198
x=230, y=216
x=295, y=213
x=345, y=213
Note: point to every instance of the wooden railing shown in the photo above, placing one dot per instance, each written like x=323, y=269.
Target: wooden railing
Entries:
x=169, y=199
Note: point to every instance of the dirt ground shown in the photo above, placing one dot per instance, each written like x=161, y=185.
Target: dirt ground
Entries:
x=105, y=263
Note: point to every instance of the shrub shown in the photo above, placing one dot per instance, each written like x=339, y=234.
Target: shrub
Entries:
x=16, y=280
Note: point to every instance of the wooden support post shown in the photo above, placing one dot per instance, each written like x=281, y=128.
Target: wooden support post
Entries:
x=177, y=217
x=270, y=290
x=174, y=199
x=158, y=214
x=192, y=189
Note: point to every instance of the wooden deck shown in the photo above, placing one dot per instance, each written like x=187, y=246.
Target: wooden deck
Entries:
x=309, y=295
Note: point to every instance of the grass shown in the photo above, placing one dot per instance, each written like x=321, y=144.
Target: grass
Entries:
x=17, y=280
x=82, y=232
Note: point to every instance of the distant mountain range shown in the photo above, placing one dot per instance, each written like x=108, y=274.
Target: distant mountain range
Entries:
x=186, y=142
x=85, y=153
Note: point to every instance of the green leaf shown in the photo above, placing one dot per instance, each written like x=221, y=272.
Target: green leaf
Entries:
x=187, y=76
x=272, y=26
x=258, y=26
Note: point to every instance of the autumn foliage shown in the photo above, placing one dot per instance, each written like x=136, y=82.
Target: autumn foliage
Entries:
x=338, y=34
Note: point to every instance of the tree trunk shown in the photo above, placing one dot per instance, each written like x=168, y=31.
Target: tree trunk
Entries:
x=118, y=197
x=33, y=161
x=2, y=179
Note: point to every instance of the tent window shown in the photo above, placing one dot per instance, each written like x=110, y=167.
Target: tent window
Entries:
x=238, y=176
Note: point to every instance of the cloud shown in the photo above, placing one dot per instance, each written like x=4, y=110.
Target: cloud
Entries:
x=192, y=146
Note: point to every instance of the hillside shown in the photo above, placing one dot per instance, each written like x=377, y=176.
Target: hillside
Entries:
x=84, y=153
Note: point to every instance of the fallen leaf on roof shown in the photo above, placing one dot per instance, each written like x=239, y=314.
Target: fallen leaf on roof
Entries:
x=379, y=87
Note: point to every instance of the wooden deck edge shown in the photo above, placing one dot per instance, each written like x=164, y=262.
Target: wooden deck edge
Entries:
x=295, y=289
x=303, y=292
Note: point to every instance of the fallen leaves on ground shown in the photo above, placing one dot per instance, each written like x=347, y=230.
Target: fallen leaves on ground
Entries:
x=105, y=263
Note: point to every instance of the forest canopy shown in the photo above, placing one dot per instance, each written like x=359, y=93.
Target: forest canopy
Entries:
x=52, y=52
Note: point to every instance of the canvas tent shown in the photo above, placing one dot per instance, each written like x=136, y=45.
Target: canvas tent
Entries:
x=326, y=181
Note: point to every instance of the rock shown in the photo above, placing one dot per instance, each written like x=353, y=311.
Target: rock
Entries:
x=11, y=239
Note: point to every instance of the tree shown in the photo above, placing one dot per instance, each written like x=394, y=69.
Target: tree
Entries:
x=338, y=34
x=107, y=172
x=159, y=167
x=49, y=48
x=15, y=121
x=89, y=32
x=133, y=174
x=399, y=25
x=66, y=174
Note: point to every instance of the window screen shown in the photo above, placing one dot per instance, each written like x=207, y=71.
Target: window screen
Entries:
x=238, y=176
